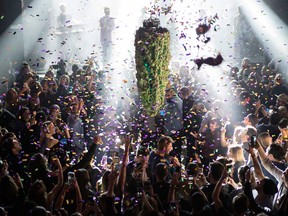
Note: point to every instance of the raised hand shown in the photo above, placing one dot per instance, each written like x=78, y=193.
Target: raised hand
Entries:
x=194, y=134
x=97, y=140
x=113, y=175
x=17, y=180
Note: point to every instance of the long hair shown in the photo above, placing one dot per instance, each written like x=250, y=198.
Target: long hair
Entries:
x=38, y=167
x=236, y=153
x=83, y=180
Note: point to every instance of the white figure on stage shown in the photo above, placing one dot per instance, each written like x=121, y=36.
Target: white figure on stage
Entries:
x=107, y=25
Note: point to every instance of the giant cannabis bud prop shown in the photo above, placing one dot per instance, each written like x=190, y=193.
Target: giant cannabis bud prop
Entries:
x=152, y=46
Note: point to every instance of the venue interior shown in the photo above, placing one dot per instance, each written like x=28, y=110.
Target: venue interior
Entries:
x=140, y=107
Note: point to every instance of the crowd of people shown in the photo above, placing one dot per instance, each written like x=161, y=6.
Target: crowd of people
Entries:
x=65, y=150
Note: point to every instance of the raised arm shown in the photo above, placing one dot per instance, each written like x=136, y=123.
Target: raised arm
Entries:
x=112, y=180
x=268, y=165
x=95, y=208
x=85, y=161
x=146, y=202
x=53, y=193
x=110, y=206
x=258, y=171
x=61, y=197
x=79, y=204
x=222, y=137
x=90, y=82
x=248, y=193
x=122, y=174
x=173, y=184
x=196, y=187
x=216, y=193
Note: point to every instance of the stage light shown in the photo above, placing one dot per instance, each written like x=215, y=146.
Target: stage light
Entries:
x=270, y=30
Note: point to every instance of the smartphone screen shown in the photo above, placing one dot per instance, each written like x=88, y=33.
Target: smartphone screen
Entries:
x=253, y=141
x=190, y=179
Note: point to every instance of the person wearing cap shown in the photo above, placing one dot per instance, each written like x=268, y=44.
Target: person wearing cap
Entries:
x=282, y=100
x=278, y=86
x=271, y=127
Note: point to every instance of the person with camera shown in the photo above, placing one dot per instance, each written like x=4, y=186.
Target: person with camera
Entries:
x=247, y=136
x=71, y=195
x=38, y=192
x=172, y=204
x=265, y=187
x=240, y=202
x=215, y=171
x=136, y=174
x=280, y=200
x=198, y=202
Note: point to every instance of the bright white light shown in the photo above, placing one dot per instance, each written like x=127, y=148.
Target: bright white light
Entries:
x=270, y=30
x=128, y=16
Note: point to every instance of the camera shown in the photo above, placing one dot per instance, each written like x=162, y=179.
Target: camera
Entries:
x=253, y=141
x=229, y=169
x=190, y=180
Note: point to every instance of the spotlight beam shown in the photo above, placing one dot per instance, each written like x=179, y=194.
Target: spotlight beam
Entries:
x=270, y=30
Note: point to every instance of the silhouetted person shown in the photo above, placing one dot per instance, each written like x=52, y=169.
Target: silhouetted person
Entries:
x=63, y=18
x=107, y=25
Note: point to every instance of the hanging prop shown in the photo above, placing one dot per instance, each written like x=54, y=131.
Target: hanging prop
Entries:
x=152, y=55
